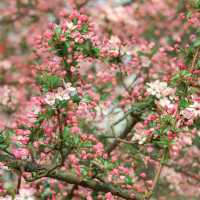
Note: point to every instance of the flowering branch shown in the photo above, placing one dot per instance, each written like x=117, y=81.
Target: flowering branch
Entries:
x=105, y=110
x=137, y=110
x=28, y=166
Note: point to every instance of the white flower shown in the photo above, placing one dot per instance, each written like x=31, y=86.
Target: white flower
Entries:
x=145, y=61
x=187, y=114
x=159, y=89
x=187, y=140
x=165, y=102
x=50, y=98
x=72, y=90
x=192, y=111
x=61, y=94
x=71, y=26
x=139, y=137
x=5, y=64
x=114, y=40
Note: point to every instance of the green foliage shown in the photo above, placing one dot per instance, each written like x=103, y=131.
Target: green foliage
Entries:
x=128, y=180
x=196, y=43
x=150, y=34
x=69, y=139
x=88, y=49
x=183, y=103
x=86, y=98
x=45, y=115
x=84, y=29
x=48, y=81
x=36, y=134
x=164, y=143
x=61, y=47
x=197, y=123
x=58, y=32
x=183, y=74
x=115, y=59
x=182, y=89
x=103, y=90
x=59, y=104
x=167, y=120
x=196, y=141
x=2, y=142
x=108, y=165
x=5, y=138
x=180, y=81
x=195, y=4
x=84, y=171
x=76, y=99
x=140, y=107
x=188, y=54
x=73, y=140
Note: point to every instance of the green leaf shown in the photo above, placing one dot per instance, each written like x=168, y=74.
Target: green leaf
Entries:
x=75, y=21
x=36, y=133
x=76, y=99
x=164, y=143
x=87, y=98
x=86, y=144
x=46, y=115
x=3, y=144
x=61, y=103
x=58, y=32
x=196, y=141
x=95, y=52
x=84, y=171
x=185, y=73
x=175, y=78
x=66, y=133
x=1, y=139
x=183, y=103
x=128, y=180
x=196, y=43
x=157, y=132
x=182, y=89
x=84, y=28
x=108, y=165
x=48, y=81
x=76, y=140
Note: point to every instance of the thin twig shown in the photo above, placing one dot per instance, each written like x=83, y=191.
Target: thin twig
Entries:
x=195, y=58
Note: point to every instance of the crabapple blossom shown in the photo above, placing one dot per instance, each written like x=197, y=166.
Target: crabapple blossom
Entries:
x=99, y=99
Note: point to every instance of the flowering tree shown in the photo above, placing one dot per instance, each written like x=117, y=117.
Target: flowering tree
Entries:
x=100, y=106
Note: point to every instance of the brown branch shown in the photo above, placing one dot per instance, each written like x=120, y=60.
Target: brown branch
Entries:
x=157, y=175
x=137, y=110
x=195, y=58
x=9, y=19
x=95, y=185
x=156, y=179
x=19, y=182
x=128, y=129
x=81, y=5
x=174, y=166
x=92, y=184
